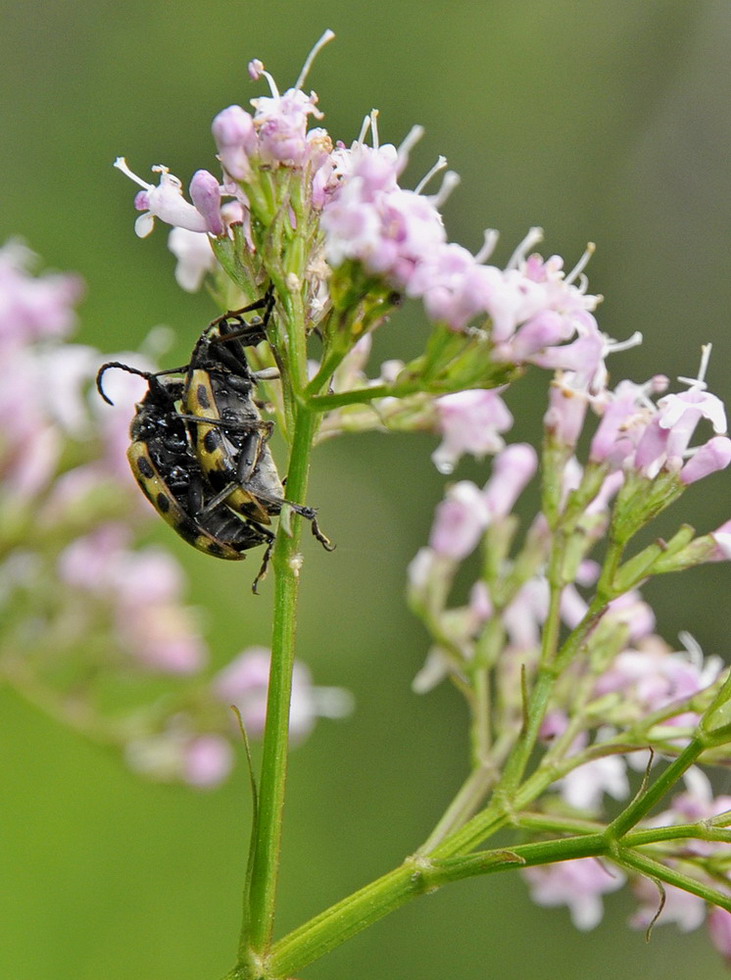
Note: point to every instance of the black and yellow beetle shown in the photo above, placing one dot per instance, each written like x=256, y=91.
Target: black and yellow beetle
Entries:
x=165, y=467
x=230, y=438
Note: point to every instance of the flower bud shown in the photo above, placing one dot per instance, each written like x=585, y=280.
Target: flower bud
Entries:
x=205, y=193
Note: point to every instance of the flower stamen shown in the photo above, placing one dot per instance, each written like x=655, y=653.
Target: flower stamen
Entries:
x=319, y=45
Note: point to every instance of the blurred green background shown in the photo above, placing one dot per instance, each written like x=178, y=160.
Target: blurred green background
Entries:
x=606, y=120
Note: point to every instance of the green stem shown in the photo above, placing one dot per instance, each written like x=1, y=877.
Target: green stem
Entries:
x=259, y=917
x=636, y=862
x=645, y=801
x=324, y=403
x=421, y=875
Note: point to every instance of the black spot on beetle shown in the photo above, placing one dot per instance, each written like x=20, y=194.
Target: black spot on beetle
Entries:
x=145, y=467
x=212, y=440
x=202, y=395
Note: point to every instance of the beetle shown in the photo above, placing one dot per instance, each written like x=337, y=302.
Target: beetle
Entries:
x=230, y=437
x=168, y=473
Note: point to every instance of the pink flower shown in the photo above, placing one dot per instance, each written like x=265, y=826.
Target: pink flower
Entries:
x=553, y=725
x=655, y=678
x=585, y=786
x=722, y=537
x=205, y=193
x=480, y=603
x=685, y=910
x=578, y=884
x=443, y=279
x=195, y=258
x=165, y=201
x=207, y=761
x=666, y=438
x=719, y=929
x=32, y=445
x=510, y=299
x=524, y=617
x=158, y=630
x=695, y=804
x=34, y=307
x=163, y=637
x=511, y=470
x=281, y=125
x=470, y=422
x=142, y=589
x=635, y=613
x=369, y=218
x=245, y=683
x=420, y=570
x=85, y=563
x=460, y=521
x=566, y=412
x=377, y=167
x=235, y=136
x=583, y=356
x=179, y=754
x=713, y=456
x=625, y=413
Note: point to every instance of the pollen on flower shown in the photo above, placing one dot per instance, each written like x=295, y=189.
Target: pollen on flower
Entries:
x=256, y=69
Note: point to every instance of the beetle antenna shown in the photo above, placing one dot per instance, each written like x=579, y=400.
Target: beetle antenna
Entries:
x=122, y=367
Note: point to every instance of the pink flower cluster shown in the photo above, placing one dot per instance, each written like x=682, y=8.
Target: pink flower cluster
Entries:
x=532, y=310
x=40, y=390
x=180, y=752
x=142, y=589
x=638, y=434
x=34, y=308
x=80, y=565
x=466, y=511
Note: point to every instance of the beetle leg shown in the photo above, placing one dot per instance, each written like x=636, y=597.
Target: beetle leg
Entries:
x=264, y=566
x=309, y=514
x=219, y=498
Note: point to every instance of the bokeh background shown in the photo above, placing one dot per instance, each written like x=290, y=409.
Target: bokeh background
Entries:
x=605, y=120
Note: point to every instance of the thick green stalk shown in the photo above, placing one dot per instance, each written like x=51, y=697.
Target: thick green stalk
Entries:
x=259, y=916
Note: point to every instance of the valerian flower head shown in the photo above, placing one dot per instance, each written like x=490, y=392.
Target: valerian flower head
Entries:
x=329, y=218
